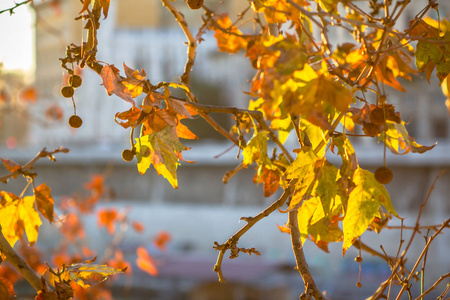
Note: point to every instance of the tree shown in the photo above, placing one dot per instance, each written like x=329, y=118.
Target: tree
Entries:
x=305, y=83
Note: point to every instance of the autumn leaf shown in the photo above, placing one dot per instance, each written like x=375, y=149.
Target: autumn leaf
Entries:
x=256, y=149
x=6, y=289
x=137, y=226
x=44, y=201
x=161, y=240
x=134, y=81
x=29, y=94
x=399, y=141
x=119, y=262
x=270, y=178
x=107, y=217
x=72, y=227
x=113, y=83
x=328, y=5
x=18, y=215
x=131, y=117
x=363, y=206
x=96, y=184
x=163, y=150
x=104, y=4
x=86, y=274
x=284, y=228
x=11, y=166
x=227, y=42
x=145, y=262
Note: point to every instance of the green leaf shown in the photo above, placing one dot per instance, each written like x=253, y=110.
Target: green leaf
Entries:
x=163, y=150
x=327, y=189
x=363, y=206
x=256, y=149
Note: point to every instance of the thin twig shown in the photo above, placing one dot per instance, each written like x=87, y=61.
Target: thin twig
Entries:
x=11, y=10
x=29, y=165
x=399, y=261
x=424, y=251
x=192, y=44
x=233, y=240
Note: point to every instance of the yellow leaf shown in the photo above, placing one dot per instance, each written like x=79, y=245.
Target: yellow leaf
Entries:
x=18, y=215
x=363, y=206
x=256, y=149
x=86, y=274
x=399, y=141
x=163, y=150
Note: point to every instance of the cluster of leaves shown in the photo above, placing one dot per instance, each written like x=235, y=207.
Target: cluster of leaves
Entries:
x=321, y=91
x=301, y=85
x=21, y=215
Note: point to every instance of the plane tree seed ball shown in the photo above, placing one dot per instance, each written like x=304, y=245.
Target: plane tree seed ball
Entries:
x=75, y=81
x=67, y=91
x=75, y=121
x=383, y=175
x=194, y=4
x=127, y=155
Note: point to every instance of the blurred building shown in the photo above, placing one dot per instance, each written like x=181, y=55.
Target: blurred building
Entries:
x=143, y=34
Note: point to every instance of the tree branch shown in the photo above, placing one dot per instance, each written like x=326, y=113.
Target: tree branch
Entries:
x=311, y=288
x=233, y=240
x=18, y=263
x=11, y=10
x=421, y=256
x=192, y=44
x=29, y=165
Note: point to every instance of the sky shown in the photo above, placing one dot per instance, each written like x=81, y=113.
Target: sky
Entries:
x=16, y=38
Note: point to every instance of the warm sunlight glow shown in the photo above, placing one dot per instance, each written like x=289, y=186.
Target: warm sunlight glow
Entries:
x=17, y=47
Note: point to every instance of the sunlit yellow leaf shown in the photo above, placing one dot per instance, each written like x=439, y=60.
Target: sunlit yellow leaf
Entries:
x=163, y=150
x=18, y=215
x=399, y=141
x=363, y=206
x=256, y=149
x=86, y=274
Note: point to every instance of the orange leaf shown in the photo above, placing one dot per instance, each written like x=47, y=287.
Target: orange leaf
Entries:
x=72, y=227
x=270, y=179
x=105, y=7
x=85, y=5
x=6, y=289
x=131, y=116
x=161, y=240
x=12, y=166
x=107, y=217
x=119, y=262
x=226, y=42
x=29, y=94
x=138, y=227
x=44, y=201
x=284, y=228
x=134, y=81
x=113, y=83
x=96, y=184
x=145, y=262
x=54, y=112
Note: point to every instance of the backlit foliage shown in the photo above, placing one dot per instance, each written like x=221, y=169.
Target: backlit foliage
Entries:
x=307, y=83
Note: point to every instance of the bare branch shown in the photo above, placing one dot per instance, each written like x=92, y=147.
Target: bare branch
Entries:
x=18, y=263
x=311, y=288
x=29, y=165
x=11, y=10
x=233, y=240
